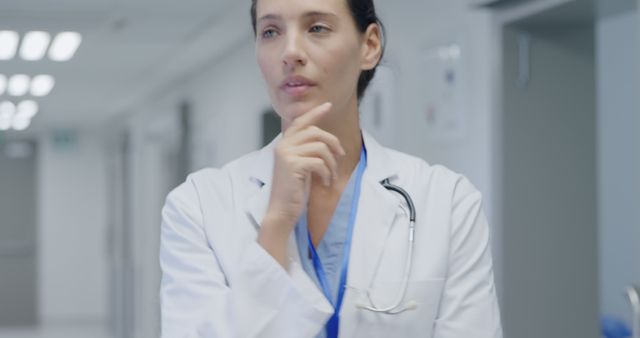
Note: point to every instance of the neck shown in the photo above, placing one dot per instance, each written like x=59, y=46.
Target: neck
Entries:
x=348, y=132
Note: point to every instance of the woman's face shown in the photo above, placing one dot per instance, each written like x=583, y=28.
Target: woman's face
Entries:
x=309, y=52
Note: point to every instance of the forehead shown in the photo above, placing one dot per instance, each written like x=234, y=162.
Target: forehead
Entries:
x=297, y=8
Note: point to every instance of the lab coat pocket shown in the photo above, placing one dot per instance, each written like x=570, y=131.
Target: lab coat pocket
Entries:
x=420, y=304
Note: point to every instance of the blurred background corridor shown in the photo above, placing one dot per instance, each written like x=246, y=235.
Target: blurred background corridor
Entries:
x=106, y=105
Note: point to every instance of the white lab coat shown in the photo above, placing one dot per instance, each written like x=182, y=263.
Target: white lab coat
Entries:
x=219, y=282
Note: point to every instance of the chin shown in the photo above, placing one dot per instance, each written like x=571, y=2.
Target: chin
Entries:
x=292, y=110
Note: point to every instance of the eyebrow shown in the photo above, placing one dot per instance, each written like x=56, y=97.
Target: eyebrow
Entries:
x=305, y=15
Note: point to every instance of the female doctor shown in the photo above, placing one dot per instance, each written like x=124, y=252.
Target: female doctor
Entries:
x=325, y=232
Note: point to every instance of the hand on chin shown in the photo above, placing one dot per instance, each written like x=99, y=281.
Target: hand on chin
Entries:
x=294, y=110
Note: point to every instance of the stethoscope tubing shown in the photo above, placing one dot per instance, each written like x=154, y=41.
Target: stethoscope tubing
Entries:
x=396, y=307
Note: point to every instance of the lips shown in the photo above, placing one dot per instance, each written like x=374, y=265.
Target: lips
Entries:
x=296, y=85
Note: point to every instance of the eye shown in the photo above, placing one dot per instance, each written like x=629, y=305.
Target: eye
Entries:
x=318, y=29
x=269, y=33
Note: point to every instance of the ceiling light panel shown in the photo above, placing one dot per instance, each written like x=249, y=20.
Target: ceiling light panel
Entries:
x=64, y=46
x=26, y=110
x=7, y=110
x=34, y=45
x=41, y=85
x=20, y=124
x=18, y=85
x=8, y=44
x=5, y=124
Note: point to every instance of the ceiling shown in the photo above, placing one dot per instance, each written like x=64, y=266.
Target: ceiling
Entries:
x=127, y=46
x=577, y=12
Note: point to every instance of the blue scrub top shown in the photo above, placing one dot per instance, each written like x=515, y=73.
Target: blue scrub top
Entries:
x=331, y=247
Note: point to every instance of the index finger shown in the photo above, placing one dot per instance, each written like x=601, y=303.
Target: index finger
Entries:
x=310, y=117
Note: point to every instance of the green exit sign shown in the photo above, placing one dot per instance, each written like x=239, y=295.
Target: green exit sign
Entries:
x=64, y=139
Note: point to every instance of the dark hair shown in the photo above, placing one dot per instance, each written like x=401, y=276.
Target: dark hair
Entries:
x=364, y=14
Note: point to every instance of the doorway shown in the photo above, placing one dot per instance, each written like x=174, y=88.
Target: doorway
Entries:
x=549, y=180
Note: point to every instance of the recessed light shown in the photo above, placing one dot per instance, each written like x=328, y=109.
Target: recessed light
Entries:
x=26, y=110
x=20, y=124
x=64, y=46
x=7, y=110
x=34, y=45
x=41, y=85
x=5, y=124
x=18, y=85
x=8, y=44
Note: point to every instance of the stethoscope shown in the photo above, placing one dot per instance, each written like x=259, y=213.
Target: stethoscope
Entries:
x=397, y=307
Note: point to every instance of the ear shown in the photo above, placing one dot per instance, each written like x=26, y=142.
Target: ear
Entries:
x=371, y=47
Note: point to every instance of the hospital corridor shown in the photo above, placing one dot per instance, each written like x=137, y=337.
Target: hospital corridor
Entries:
x=106, y=106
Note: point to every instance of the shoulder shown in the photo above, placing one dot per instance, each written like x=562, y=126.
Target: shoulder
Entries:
x=212, y=182
x=417, y=172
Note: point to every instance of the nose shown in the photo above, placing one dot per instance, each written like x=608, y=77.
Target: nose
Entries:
x=293, y=54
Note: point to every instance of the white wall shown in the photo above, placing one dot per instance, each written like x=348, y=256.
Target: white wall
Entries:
x=618, y=158
x=71, y=236
x=228, y=101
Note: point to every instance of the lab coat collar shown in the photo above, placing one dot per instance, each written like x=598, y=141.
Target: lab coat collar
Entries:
x=379, y=167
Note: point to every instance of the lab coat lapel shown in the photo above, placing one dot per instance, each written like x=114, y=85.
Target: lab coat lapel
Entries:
x=376, y=214
x=260, y=173
x=377, y=210
x=260, y=170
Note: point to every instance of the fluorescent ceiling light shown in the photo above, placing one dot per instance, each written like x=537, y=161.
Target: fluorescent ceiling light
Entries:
x=8, y=44
x=26, y=110
x=20, y=124
x=64, y=46
x=34, y=45
x=3, y=83
x=7, y=110
x=41, y=85
x=18, y=85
